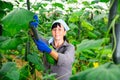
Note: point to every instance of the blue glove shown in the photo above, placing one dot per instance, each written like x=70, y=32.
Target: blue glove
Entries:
x=42, y=46
x=35, y=22
x=36, y=18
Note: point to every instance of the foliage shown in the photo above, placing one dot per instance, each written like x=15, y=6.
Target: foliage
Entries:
x=9, y=43
x=9, y=71
x=88, y=29
x=110, y=71
x=89, y=44
x=4, y=8
x=35, y=59
x=16, y=20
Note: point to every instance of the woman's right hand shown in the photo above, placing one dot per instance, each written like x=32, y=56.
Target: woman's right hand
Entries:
x=42, y=46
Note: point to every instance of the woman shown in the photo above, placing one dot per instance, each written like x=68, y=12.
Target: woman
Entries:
x=63, y=51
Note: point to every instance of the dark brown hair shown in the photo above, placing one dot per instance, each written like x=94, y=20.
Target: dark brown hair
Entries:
x=55, y=25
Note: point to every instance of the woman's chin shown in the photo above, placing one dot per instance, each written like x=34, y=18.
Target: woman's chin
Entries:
x=57, y=38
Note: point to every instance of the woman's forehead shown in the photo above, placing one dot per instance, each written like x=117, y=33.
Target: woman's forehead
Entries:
x=61, y=27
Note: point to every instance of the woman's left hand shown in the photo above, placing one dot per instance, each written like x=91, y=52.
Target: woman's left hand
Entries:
x=35, y=22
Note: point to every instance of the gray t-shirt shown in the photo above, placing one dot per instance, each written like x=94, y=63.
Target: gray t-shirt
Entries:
x=63, y=68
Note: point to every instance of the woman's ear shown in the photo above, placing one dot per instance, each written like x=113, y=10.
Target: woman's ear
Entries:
x=64, y=33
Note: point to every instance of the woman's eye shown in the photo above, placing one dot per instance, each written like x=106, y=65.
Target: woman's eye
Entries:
x=59, y=29
x=54, y=29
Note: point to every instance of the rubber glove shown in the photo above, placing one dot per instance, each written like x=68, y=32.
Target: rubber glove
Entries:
x=35, y=17
x=35, y=22
x=42, y=46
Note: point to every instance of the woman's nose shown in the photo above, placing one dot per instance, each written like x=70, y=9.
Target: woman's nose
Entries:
x=56, y=31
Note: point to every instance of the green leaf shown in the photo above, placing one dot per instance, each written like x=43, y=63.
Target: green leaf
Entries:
x=58, y=5
x=50, y=76
x=88, y=53
x=35, y=59
x=72, y=26
x=83, y=75
x=107, y=71
x=21, y=0
x=75, y=17
x=2, y=13
x=9, y=43
x=72, y=1
x=9, y=71
x=86, y=3
x=104, y=1
x=92, y=35
x=13, y=75
x=8, y=67
x=24, y=72
x=6, y=5
x=17, y=20
x=89, y=44
x=87, y=25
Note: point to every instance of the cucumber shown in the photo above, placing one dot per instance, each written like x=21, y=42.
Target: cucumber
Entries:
x=50, y=59
x=35, y=34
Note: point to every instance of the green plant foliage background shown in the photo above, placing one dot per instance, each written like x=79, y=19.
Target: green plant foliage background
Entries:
x=88, y=29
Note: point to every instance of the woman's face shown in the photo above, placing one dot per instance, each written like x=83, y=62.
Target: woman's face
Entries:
x=58, y=32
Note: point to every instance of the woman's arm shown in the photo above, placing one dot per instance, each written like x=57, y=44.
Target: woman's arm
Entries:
x=67, y=57
x=54, y=54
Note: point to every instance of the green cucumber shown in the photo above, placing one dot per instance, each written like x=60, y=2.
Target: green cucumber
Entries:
x=50, y=59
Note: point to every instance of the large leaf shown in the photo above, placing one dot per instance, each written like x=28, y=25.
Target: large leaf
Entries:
x=9, y=43
x=24, y=72
x=90, y=44
x=9, y=71
x=108, y=71
x=17, y=20
x=35, y=59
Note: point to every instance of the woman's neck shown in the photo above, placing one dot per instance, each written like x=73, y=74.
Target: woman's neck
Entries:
x=58, y=43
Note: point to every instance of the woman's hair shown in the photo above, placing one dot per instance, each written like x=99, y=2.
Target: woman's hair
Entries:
x=65, y=38
x=58, y=24
x=55, y=25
